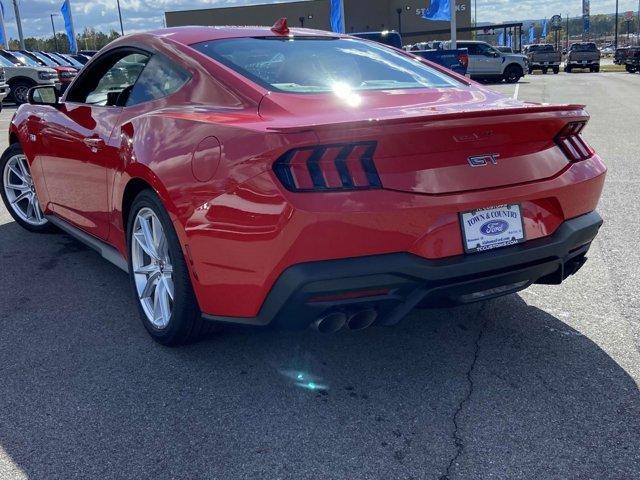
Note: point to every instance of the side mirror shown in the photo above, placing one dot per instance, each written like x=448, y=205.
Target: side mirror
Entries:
x=46, y=95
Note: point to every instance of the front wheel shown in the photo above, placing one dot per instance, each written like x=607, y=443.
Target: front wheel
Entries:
x=544, y=71
x=512, y=74
x=159, y=275
x=18, y=191
x=630, y=68
x=556, y=70
x=20, y=91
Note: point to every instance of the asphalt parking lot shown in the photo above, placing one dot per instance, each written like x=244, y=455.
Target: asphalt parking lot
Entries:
x=540, y=385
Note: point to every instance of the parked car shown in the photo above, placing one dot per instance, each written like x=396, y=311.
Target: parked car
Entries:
x=21, y=77
x=82, y=59
x=237, y=187
x=619, y=55
x=632, y=60
x=486, y=62
x=66, y=74
x=543, y=57
x=583, y=55
x=4, y=86
x=455, y=60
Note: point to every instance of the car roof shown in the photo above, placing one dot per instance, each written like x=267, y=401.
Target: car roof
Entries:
x=191, y=35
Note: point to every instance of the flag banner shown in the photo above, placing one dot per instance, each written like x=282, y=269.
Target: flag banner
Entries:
x=544, y=28
x=586, y=22
x=510, y=40
x=68, y=25
x=438, y=10
x=3, y=39
x=501, y=38
x=531, y=34
x=337, y=16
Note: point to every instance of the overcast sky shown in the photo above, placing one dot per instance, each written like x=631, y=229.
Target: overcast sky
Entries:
x=148, y=14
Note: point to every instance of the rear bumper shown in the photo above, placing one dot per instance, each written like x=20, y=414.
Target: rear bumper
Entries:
x=398, y=282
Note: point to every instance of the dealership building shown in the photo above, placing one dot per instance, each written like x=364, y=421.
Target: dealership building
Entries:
x=404, y=16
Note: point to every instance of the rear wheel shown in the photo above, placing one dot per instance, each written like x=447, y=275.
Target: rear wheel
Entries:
x=556, y=70
x=630, y=68
x=159, y=275
x=18, y=191
x=20, y=91
x=512, y=73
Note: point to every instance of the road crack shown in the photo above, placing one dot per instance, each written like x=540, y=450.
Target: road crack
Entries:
x=457, y=438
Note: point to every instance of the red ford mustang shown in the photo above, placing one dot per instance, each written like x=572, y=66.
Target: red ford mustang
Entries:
x=292, y=178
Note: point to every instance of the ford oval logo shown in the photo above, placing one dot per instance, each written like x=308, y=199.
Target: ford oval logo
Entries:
x=494, y=227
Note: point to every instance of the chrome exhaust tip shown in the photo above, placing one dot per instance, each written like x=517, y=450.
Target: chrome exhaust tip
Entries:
x=362, y=319
x=330, y=322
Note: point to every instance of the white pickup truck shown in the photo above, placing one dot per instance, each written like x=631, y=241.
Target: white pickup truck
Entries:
x=487, y=62
x=22, y=77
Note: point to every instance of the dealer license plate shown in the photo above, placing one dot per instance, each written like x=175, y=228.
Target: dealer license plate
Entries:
x=493, y=227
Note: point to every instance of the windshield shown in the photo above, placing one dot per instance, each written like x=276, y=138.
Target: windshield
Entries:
x=58, y=58
x=583, y=47
x=47, y=61
x=312, y=64
x=6, y=63
x=72, y=61
x=25, y=60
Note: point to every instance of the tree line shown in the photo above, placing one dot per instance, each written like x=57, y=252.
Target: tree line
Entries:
x=89, y=39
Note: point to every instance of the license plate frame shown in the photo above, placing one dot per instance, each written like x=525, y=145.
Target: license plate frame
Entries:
x=492, y=241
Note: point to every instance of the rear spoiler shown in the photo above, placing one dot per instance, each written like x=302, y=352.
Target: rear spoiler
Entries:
x=571, y=111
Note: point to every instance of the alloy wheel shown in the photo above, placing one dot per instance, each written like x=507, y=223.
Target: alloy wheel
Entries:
x=21, y=93
x=20, y=191
x=152, y=268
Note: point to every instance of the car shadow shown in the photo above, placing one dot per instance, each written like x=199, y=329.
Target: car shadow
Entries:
x=494, y=390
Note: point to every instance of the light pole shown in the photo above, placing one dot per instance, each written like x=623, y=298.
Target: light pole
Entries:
x=16, y=9
x=53, y=27
x=399, y=12
x=120, y=17
x=615, y=35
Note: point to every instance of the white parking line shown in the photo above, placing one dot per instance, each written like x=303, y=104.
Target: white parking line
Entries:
x=515, y=92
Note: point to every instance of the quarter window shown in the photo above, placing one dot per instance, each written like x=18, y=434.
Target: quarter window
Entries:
x=159, y=78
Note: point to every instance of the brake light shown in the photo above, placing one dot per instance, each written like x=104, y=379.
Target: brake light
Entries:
x=572, y=143
x=463, y=59
x=329, y=168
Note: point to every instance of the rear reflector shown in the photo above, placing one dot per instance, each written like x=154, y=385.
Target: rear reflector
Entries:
x=572, y=143
x=329, y=168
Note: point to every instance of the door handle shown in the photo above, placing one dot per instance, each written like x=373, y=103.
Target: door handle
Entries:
x=93, y=143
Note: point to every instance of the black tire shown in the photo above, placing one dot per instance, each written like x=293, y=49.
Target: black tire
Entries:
x=556, y=70
x=512, y=74
x=186, y=324
x=20, y=91
x=597, y=69
x=530, y=71
x=13, y=150
x=544, y=71
x=567, y=69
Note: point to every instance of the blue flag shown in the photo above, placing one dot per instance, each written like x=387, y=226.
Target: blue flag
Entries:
x=438, y=10
x=337, y=16
x=544, y=28
x=510, y=40
x=68, y=25
x=501, y=38
x=3, y=41
x=532, y=35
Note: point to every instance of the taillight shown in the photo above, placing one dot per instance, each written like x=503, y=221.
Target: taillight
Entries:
x=463, y=59
x=329, y=168
x=572, y=143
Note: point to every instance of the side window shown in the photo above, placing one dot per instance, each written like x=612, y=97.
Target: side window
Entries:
x=472, y=49
x=160, y=78
x=110, y=80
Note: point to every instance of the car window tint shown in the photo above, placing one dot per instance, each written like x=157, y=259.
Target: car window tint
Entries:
x=119, y=77
x=319, y=65
x=158, y=79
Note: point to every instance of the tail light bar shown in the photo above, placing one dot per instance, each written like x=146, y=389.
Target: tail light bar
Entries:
x=572, y=143
x=332, y=168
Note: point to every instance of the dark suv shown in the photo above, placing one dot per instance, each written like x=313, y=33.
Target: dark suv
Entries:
x=632, y=59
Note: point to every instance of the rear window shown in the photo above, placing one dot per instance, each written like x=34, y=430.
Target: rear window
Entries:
x=316, y=65
x=583, y=47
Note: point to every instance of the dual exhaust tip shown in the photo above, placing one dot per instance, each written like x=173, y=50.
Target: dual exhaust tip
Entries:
x=333, y=321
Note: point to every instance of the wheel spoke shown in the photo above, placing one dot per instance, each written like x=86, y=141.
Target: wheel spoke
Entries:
x=18, y=173
x=22, y=163
x=146, y=269
x=36, y=208
x=152, y=283
x=148, y=238
x=168, y=283
x=22, y=196
x=29, y=212
x=142, y=241
x=165, y=308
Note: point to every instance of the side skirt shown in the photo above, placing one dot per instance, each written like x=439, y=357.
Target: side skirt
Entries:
x=107, y=251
